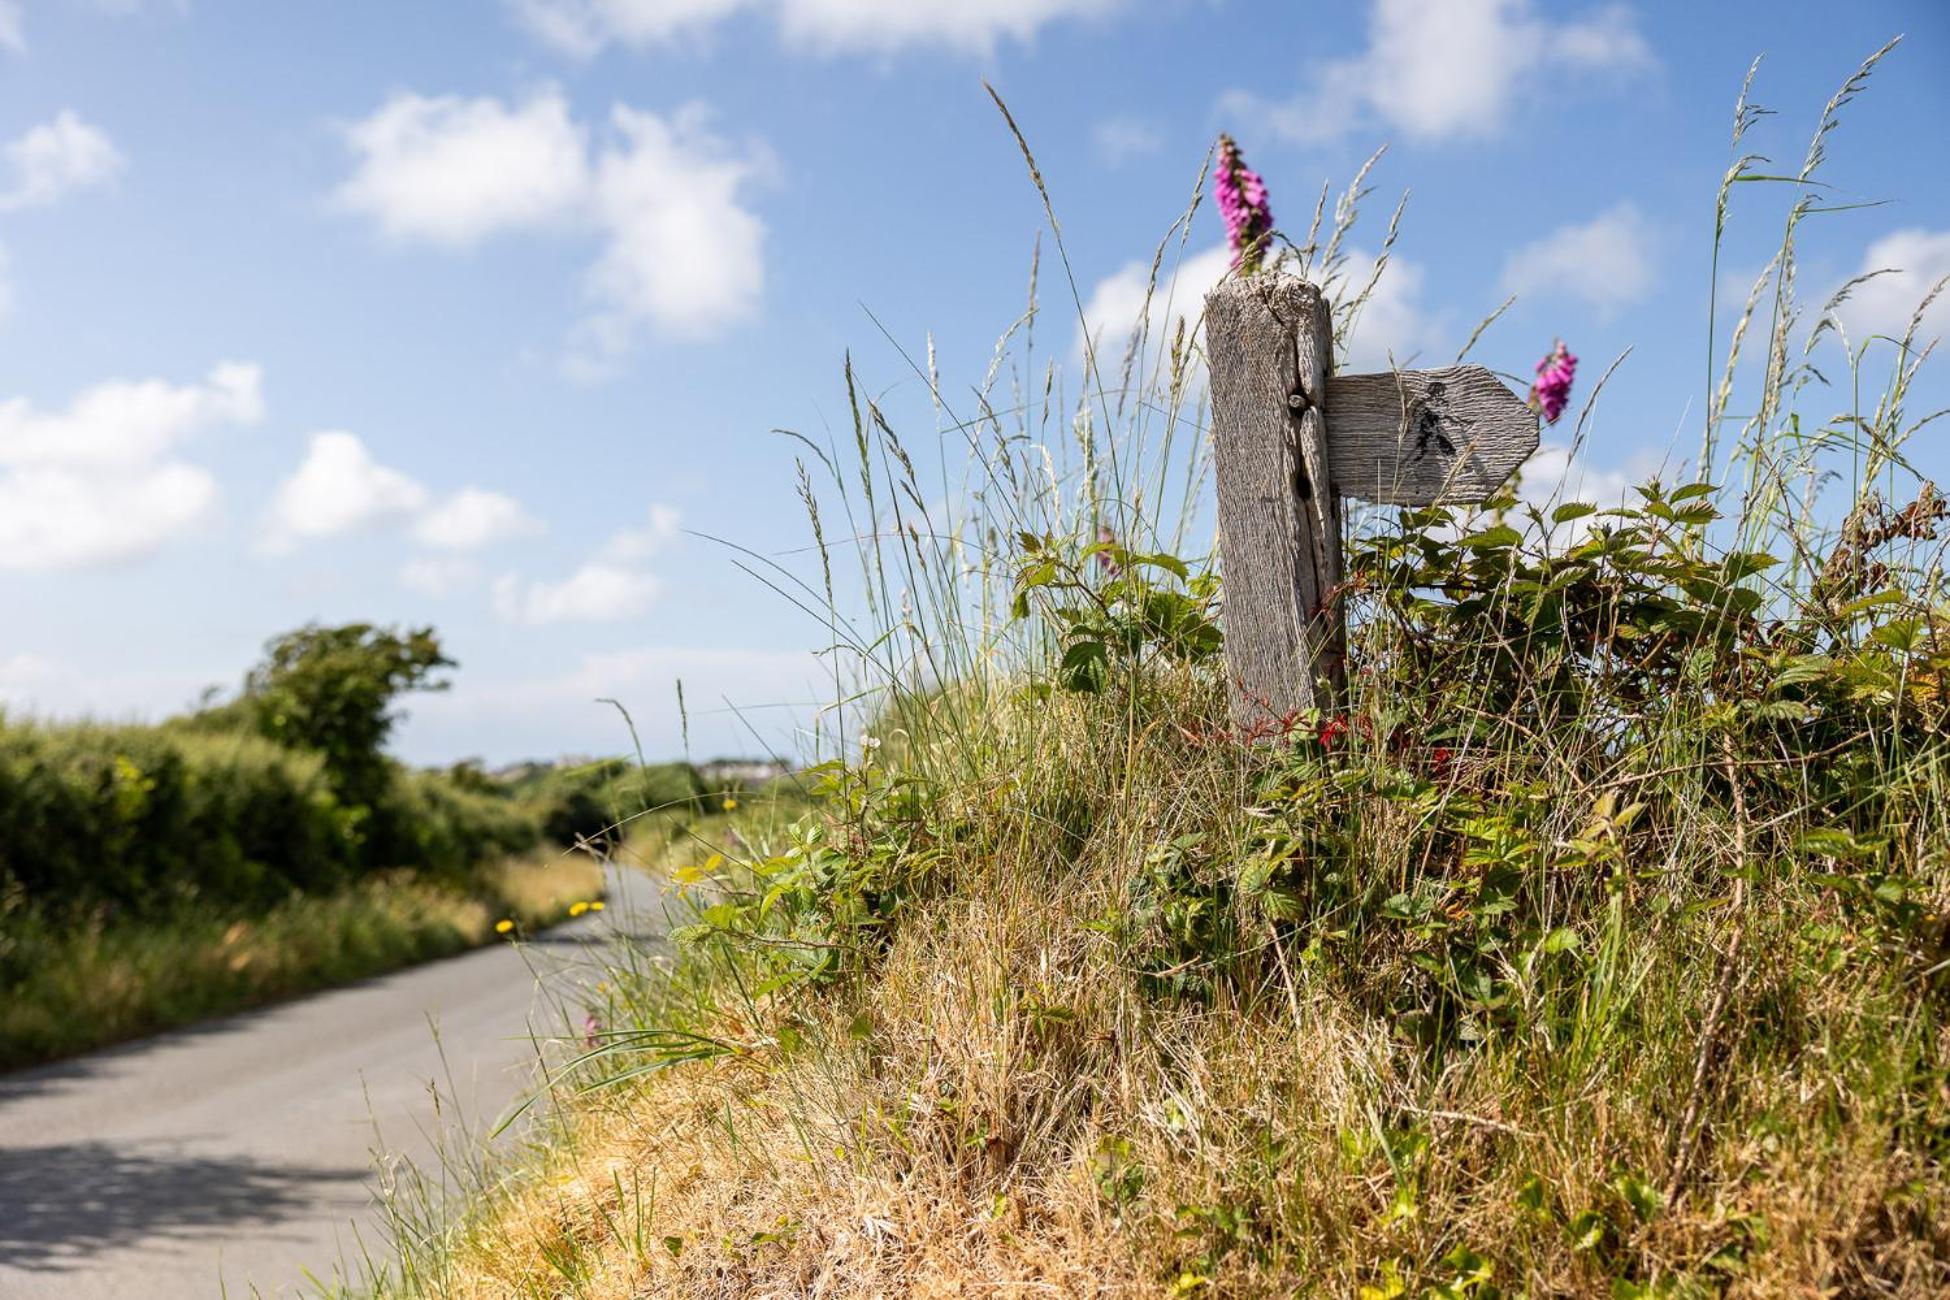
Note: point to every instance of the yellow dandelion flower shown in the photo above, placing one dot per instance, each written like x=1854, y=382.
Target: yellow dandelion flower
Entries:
x=577, y=909
x=730, y=803
x=503, y=926
x=596, y=906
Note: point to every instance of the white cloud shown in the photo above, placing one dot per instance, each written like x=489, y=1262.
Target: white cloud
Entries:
x=1915, y=260
x=680, y=252
x=1606, y=262
x=55, y=158
x=99, y=483
x=1553, y=474
x=635, y=545
x=452, y=171
x=1393, y=320
x=44, y=686
x=1120, y=303
x=1122, y=138
x=1451, y=69
x=611, y=587
x=473, y=518
x=339, y=488
x=1395, y=327
x=438, y=575
x=882, y=26
x=598, y=592
x=584, y=27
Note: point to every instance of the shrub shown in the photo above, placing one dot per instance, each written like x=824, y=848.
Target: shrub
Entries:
x=136, y=818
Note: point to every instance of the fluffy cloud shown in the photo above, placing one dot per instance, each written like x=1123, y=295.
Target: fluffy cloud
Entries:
x=635, y=545
x=1606, y=262
x=611, y=587
x=55, y=158
x=584, y=27
x=1124, y=300
x=473, y=518
x=1451, y=69
x=1393, y=320
x=453, y=171
x=45, y=686
x=681, y=253
x=663, y=194
x=972, y=26
x=1914, y=260
x=1553, y=475
x=598, y=592
x=100, y=482
x=1395, y=327
x=339, y=488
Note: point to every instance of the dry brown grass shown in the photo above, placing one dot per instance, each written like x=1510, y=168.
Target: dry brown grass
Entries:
x=966, y=1122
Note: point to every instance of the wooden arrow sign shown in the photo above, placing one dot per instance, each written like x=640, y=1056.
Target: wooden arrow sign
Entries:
x=1425, y=437
x=1288, y=441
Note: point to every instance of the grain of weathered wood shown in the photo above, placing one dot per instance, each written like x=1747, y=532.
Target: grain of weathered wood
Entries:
x=1419, y=437
x=1269, y=345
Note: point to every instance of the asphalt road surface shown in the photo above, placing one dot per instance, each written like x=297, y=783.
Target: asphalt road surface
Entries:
x=233, y=1157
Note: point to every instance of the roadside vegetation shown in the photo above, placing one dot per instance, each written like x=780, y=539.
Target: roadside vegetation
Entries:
x=1596, y=946
x=267, y=846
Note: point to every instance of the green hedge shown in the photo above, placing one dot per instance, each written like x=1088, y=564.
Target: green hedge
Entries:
x=140, y=819
x=144, y=819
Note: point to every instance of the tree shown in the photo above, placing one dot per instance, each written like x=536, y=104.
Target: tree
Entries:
x=331, y=690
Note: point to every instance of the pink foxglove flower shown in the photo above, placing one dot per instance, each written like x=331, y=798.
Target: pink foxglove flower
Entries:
x=1242, y=202
x=1553, y=387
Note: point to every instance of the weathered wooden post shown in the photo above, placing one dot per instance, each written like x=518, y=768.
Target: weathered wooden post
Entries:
x=1289, y=440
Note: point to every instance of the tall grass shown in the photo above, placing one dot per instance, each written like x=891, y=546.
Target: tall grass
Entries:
x=81, y=982
x=1597, y=945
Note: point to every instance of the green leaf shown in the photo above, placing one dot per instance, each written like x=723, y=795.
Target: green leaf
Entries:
x=1901, y=634
x=1740, y=565
x=1874, y=600
x=1165, y=560
x=1587, y=1230
x=1037, y=575
x=1085, y=668
x=1562, y=939
x=1499, y=537
x=1645, y=1199
x=1570, y=510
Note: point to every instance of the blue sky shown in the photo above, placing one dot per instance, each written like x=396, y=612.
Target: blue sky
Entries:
x=466, y=313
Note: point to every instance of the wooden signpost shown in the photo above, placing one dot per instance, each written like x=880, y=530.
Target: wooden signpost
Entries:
x=1289, y=440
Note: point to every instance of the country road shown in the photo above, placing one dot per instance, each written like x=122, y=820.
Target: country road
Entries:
x=234, y=1156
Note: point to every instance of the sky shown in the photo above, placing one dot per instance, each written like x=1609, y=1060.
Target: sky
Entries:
x=483, y=314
